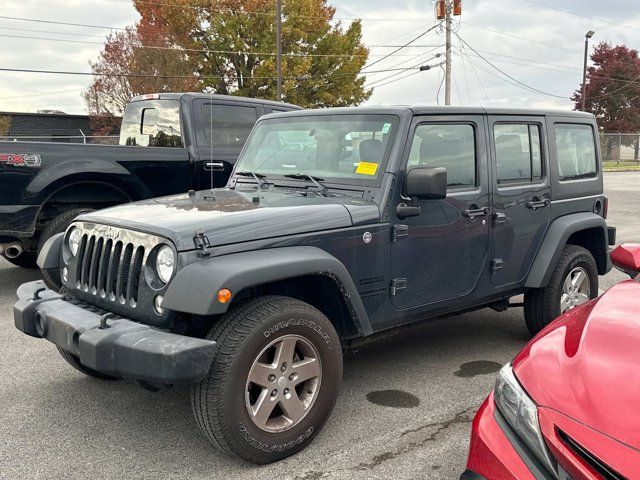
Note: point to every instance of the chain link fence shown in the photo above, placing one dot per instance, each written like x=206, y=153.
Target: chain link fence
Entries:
x=620, y=147
x=86, y=139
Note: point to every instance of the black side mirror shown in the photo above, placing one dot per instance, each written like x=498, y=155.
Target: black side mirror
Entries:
x=427, y=182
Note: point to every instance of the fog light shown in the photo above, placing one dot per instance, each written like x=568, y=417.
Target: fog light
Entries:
x=157, y=304
x=224, y=295
x=65, y=274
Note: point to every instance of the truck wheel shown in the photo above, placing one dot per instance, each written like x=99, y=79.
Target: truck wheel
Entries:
x=574, y=281
x=57, y=225
x=74, y=361
x=273, y=381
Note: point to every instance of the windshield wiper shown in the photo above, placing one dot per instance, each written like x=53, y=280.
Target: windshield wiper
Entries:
x=315, y=180
x=259, y=177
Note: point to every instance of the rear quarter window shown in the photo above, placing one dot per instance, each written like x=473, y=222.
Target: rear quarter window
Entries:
x=152, y=123
x=576, y=151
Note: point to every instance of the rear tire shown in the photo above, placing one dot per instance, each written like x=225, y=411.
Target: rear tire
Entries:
x=74, y=361
x=288, y=404
x=542, y=305
x=57, y=225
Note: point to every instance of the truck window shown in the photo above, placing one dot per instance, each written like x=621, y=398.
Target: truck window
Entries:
x=227, y=125
x=576, y=149
x=518, y=153
x=452, y=146
x=151, y=123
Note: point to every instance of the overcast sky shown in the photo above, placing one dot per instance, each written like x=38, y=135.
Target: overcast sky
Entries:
x=530, y=40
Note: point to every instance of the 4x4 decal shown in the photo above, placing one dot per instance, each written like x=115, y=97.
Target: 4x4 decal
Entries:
x=21, y=159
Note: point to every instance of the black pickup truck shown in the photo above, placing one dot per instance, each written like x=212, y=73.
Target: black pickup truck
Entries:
x=169, y=143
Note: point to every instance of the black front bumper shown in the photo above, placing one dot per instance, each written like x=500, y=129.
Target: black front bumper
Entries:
x=124, y=348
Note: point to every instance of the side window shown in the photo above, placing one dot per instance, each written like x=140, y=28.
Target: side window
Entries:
x=151, y=123
x=576, y=148
x=452, y=146
x=227, y=125
x=518, y=153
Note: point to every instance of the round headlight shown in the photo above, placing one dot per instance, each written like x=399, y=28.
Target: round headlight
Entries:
x=165, y=263
x=74, y=241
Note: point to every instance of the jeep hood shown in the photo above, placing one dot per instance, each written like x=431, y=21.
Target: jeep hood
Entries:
x=229, y=216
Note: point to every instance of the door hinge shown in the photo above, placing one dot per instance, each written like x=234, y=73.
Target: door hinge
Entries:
x=398, y=284
x=399, y=231
x=496, y=265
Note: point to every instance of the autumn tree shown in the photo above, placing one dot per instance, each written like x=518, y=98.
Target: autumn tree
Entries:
x=136, y=60
x=613, y=92
x=228, y=47
x=5, y=125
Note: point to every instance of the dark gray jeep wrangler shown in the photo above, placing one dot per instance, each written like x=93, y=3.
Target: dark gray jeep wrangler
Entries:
x=334, y=225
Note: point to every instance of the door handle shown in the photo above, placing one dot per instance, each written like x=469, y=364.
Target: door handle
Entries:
x=535, y=203
x=208, y=166
x=474, y=212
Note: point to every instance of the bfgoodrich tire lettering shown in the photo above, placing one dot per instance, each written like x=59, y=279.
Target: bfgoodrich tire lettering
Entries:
x=218, y=401
x=542, y=305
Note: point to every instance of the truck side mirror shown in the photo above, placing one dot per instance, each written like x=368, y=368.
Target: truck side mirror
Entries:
x=626, y=257
x=427, y=182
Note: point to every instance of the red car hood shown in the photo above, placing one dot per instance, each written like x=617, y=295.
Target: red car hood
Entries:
x=586, y=364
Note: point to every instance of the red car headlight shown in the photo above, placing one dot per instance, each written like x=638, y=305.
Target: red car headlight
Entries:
x=521, y=413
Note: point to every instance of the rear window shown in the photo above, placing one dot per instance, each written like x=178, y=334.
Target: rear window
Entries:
x=576, y=149
x=518, y=153
x=152, y=123
x=227, y=125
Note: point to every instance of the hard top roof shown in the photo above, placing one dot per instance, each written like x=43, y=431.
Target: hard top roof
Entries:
x=213, y=96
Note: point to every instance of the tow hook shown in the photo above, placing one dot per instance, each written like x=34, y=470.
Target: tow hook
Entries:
x=103, y=320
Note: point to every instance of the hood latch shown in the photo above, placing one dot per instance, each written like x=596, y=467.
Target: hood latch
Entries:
x=202, y=243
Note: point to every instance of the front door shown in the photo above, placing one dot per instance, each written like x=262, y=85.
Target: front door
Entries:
x=521, y=195
x=439, y=255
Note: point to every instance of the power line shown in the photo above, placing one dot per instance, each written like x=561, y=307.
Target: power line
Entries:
x=53, y=22
x=399, y=73
x=41, y=94
x=201, y=50
x=524, y=39
x=533, y=89
x=403, y=46
x=569, y=12
x=140, y=75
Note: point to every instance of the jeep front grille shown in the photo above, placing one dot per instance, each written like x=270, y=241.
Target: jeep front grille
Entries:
x=109, y=265
x=109, y=268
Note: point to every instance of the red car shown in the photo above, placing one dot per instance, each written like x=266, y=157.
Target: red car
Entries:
x=568, y=406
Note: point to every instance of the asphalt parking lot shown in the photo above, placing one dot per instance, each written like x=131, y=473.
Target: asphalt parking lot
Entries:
x=57, y=423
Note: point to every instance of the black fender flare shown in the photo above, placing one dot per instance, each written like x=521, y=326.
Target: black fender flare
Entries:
x=555, y=240
x=194, y=288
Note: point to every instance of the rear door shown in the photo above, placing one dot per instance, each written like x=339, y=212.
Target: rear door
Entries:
x=222, y=128
x=521, y=197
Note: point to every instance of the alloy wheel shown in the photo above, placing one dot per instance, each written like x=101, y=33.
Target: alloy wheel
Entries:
x=283, y=383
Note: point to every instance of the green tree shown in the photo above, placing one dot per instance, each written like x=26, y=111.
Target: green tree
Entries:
x=321, y=60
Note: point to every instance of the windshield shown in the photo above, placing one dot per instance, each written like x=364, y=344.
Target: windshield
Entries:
x=350, y=149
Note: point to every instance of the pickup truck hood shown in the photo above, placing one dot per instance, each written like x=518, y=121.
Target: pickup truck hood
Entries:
x=229, y=216
x=585, y=364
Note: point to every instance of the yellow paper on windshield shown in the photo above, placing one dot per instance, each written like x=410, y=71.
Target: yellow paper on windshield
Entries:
x=367, y=168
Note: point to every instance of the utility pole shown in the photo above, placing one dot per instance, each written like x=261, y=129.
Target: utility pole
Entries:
x=279, y=49
x=583, y=99
x=447, y=78
x=445, y=9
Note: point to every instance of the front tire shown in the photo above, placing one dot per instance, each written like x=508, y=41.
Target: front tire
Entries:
x=574, y=281
x=273, y=381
